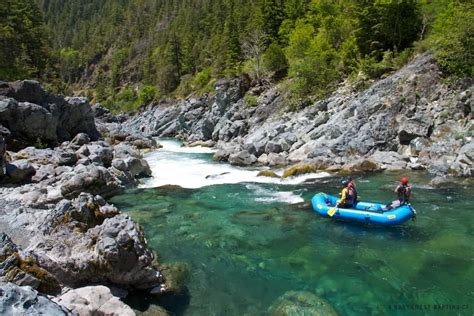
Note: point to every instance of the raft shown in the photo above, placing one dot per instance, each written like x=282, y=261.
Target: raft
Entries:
x=364, y=212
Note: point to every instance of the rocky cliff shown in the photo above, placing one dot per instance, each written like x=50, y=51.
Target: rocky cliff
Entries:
x=57, y=231
x=411, y=119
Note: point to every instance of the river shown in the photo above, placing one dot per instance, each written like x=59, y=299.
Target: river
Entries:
x=247, y=240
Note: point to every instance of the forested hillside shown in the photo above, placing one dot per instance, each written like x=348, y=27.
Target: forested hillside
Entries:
x=130, y=52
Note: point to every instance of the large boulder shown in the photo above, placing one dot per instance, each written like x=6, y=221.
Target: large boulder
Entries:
x=28, y=123
x=360, y=165
x=23, y=300
x=19, y=171
x=76, y=116
x=301, y=303
x=101, y=152
x=23, y=269
x=276, y=159
x=86, y=241
x=80, y=139
x=94, y=300
x=135, y=166
x=34, y=117
x=242, y=158
x=24, y=91
x=389, y=160
x=92, y=179
x=413, y=128
x=228, y=91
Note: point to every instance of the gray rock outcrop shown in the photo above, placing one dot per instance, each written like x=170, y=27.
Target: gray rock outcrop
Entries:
x=411, y=117
x=34, y=117
x=81, y=241
x=23, y=300
x=2, y=155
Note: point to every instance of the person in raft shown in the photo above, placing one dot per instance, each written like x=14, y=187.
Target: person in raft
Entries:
x=403, y=192
x=348, y=194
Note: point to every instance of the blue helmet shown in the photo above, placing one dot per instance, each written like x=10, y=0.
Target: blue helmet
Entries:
x=345, y=182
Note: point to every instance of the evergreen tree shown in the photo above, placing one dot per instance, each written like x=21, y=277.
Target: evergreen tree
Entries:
x=23, y=42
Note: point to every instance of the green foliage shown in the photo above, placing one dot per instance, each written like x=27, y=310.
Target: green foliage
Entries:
x=119, y=58
x=180, y=47
x=312, y=59
x=373, y=68
x=251, y=100
x=453, y=38
x=70, y=63
x=128, y=99
x=125, y=100
x=146, y=95
x=23, y=41
x=39, y=143
x=387, y=25
x=202, y=78
x=274, y=59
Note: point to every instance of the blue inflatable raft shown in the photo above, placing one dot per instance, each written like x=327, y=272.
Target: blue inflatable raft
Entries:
x=364, y=212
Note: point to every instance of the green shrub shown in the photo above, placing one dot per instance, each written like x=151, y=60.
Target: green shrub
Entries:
x=125, y=100
x=202, y=78
x=251, y=100
x=39, y=143
x=274, y=59
x=147, y=95
x=453, y=38
x=312, y=61
x=374, y=69
x=458, y=136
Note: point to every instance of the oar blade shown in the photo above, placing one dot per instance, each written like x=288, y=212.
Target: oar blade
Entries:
x=332, y=211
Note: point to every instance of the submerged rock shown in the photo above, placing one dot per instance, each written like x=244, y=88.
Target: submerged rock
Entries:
x=301, y=303
x=177, y=275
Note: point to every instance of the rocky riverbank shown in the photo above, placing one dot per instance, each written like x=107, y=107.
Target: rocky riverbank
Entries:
x=412, y=119
x=57, y=231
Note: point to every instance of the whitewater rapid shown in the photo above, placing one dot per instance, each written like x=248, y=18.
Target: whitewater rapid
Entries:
x=193, y=168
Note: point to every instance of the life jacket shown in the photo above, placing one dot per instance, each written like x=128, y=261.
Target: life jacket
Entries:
x=351, y=196
x=403, y=192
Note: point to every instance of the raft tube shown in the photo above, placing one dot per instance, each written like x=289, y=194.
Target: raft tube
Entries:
x=364, y=212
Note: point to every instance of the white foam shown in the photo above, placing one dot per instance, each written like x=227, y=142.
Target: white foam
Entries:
x=269, y=196
x=191, y=168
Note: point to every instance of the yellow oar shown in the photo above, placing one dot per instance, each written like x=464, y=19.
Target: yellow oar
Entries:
x=332, y=211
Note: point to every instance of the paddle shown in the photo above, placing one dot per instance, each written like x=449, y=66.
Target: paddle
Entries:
x=332, y=211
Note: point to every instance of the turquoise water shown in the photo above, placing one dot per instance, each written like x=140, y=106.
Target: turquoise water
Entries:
x=245, y=249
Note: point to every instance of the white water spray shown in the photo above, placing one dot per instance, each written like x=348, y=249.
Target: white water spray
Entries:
x=193, y=168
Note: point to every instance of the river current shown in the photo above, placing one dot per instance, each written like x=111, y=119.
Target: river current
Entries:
x=247, y=240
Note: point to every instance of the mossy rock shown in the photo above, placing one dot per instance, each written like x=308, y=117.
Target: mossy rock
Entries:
x=176, y=276
x=299, y=169
x=199, y=143
x=359, y=166
x=301, y=303
x=267, y=173
x=48, y=283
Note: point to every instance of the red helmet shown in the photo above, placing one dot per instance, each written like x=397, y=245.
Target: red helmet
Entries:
x=404, y=180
